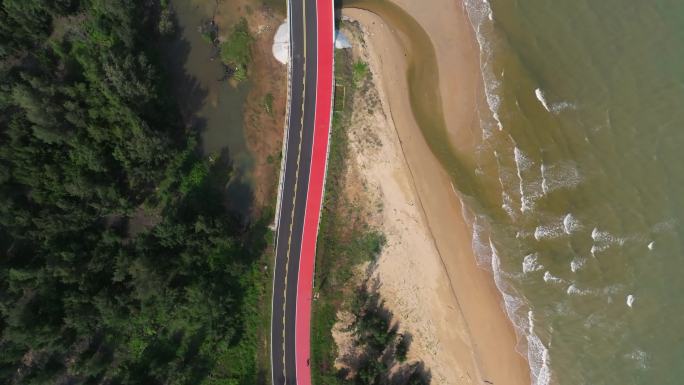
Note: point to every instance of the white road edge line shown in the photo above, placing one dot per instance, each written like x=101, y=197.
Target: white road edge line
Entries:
x=281, y=181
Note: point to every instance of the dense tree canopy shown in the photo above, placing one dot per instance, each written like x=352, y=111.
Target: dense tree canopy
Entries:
x=118, y=264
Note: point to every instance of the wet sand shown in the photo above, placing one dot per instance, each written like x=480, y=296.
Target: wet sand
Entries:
x=486, y=351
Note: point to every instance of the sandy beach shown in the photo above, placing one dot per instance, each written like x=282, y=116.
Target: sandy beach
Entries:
x=413, y=282
x=428, y=271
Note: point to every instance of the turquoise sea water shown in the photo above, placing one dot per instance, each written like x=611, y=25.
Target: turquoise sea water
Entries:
x=583, y=136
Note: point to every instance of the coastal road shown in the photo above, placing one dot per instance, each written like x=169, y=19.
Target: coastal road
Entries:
x=301, y=189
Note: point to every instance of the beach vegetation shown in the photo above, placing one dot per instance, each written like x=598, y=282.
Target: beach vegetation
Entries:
x=346, y=241
x=359, y=71
x=267, y=103
x=402, y=348
x=121, y=263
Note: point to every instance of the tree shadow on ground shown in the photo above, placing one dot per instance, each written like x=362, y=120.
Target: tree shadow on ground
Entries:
x=186, y=88
x=382, y=350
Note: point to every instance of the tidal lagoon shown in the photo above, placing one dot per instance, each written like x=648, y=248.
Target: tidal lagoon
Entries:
x=210, y=101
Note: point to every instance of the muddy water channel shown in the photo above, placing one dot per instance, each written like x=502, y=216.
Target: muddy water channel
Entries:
x=208, y=100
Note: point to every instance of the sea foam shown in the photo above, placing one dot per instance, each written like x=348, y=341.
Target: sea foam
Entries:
x=530, y=187
x=553, y=107
x=530, y=322
x=570, y=224
x=630, y=300
x=574, y=290
x=547, y=232
x=604, y=240
x=640, y=357
x=545, y=183
x=521, y=164
x=560, y=175
x=558, y=227
x=577, y=263
x=550, y=278
x=534, y=183
x=537, y=353
x=539, y=360
x=597, y=249
x=481, y=248
x=506, y=178
x=480, y=15
x=664, y=226
x=531, y=263
x=540, y=96
x=507, y=204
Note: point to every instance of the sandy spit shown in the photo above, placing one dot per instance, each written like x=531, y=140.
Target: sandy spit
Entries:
x=413, y=282
x=429, y=275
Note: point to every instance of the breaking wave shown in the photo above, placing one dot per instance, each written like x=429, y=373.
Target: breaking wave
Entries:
x=604, y=240
x=553, y=107
x=537, y=354
x=547, y=232
x=559, y=175
x=531, y=187
x=577, y=263
x=556, y=228
x=630, y=300
x=550, y=278
x=531, y=263
x=481, y=16
x=540, y=96
x=483, y=253
x=570, y=224
x=542, y=213
x=534, y=184
x=574, y=290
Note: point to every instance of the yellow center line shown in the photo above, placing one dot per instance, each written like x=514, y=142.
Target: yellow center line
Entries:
x=294, y=197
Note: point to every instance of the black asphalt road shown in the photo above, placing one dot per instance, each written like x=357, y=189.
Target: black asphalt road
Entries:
x=300, y=128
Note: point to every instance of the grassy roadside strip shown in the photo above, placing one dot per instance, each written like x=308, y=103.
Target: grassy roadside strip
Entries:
x=345, y=239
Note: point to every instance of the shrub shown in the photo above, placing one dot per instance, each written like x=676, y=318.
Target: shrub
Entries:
x=236, y=51
x=360, y=71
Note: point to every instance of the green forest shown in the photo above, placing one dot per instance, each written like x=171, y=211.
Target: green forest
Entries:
x=119, y=263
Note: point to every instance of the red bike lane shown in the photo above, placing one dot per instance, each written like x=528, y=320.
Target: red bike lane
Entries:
x=319, y=157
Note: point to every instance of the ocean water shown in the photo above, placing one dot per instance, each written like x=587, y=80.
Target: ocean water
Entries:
x=583, y=146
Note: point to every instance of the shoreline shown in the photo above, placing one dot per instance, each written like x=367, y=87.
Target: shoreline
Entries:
x=491, y=335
